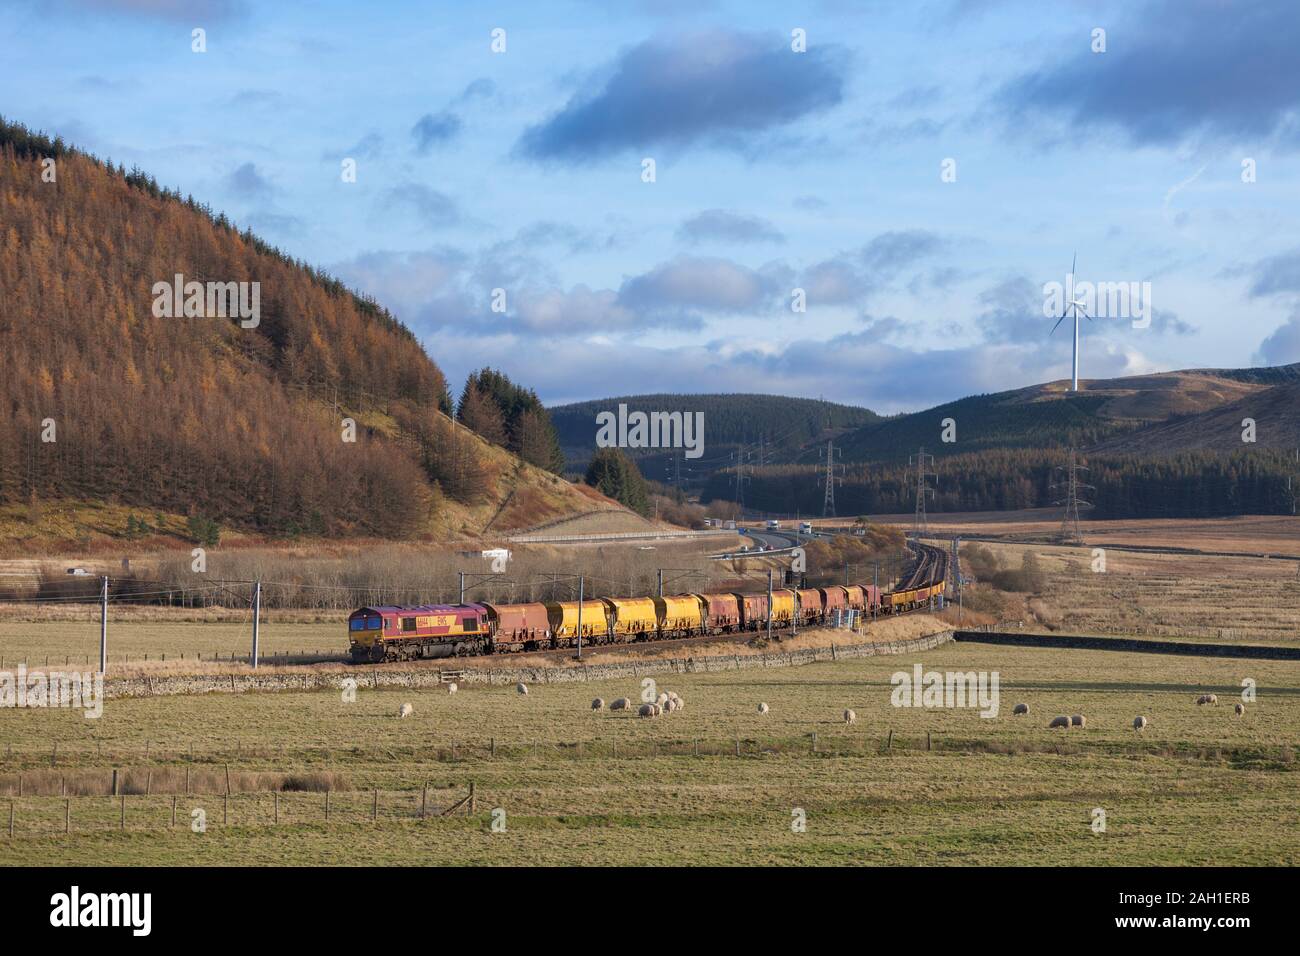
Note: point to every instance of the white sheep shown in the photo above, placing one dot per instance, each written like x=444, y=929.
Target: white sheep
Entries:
x=1060, y=722
x=451, y=688
x=406, y=710
x=598, y=704
x=661, y=699
x=1239, y=709
x=1139, y=723
x=649, y=710
x=670, y=705
x=1020, y=709
x=762, y=708
x=850, y=717
x=621, y=704
x=1207, y=699
x=1078, y=720
x=521, y=688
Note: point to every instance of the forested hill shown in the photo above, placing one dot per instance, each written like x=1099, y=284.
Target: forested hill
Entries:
x=104, y=401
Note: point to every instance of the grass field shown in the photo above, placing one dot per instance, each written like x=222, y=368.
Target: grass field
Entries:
x=1200, y=786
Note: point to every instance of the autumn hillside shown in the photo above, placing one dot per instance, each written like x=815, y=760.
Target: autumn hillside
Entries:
x=105, y=403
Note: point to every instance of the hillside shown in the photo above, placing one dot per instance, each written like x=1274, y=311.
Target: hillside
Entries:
x=1275, y=411
x=784, y=426
x=240, y=423
x=1050, y=415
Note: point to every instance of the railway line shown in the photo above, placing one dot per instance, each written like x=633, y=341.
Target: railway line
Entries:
x=404, y=633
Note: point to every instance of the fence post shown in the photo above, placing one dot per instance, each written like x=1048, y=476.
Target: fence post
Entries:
x=67, y=816
x=116, y=791
x=11, y=819
x=494, y=746
x=227, y=779
x=121, y=820
x=471, y=797
x=327, y=804
x=276, y=795
x=225, y=808
x=424, y=801
x=889, y=745
x=374, y=806
x=187, y=778
x=927, y=740
x=814, y=742
x=148, y=783
x=737, y=745
x=173, y=812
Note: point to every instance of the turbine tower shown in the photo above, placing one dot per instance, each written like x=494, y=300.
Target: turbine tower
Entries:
x=1075, y=306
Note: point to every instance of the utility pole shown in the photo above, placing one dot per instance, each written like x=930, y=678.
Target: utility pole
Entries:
x=920, y=524
x=739, y=457
x=660, y=592
x=257, y=613
x=828, y=498
x=1070, y=533
x=770, y=615
x=103, y=625
x=581, y=582
x=461, y=599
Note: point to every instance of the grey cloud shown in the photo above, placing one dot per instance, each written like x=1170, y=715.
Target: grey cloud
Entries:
x=724, y=225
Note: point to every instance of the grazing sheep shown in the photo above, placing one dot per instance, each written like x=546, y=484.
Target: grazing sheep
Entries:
x=670, y=705
x=406, y=710
x=661, y=699
x=451, y=688
x=646, y=710
x=1060, y=722
x=621, y=704
x=762, y=708
x=850, y=717
x=1239, y=709
x=521, y=688
x=1020, y=709
x=1139, y=723
x=598, y=704
x=1207, y=699
x=1078, y=720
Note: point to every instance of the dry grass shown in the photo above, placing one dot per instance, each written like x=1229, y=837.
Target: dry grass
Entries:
x=1199, y=787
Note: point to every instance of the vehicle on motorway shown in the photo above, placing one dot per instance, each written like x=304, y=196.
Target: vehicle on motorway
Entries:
x=409, y=632
x=805, y=527
x=773, y=524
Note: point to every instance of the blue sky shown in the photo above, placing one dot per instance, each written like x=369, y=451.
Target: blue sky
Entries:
x=775, y=170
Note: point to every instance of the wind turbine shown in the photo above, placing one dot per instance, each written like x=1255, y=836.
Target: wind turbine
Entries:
x=1074, y=305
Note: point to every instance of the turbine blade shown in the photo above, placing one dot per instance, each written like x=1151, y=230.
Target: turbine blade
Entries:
x=1058, y=324
x=1074, y=262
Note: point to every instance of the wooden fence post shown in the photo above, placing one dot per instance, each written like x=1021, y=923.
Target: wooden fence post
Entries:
x=327, y=805
x=116, y=791
x=11, y=819
x=173, y=812
x=121, y=820
x=471, y=797
x=227, y=779
x=187, y=778
x=889, y=745
x=374, y=806
x=424, y=801
x=67, y=816
x=275, y=794
x=737, y=745
x=148, y=782
x=814, y=742
x=927, y=740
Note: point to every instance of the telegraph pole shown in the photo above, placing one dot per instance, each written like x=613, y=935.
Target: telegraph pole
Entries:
x=581, y=582
x=770, y=614
x=920, y=524
x=103, y=625
x=257, y=613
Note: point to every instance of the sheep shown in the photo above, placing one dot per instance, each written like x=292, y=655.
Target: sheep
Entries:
x=1078, y=720
x=1207, y=699
x=649, y=710
x=621, y=704
x=1020, y=709
x=850, y=717
x=661, y=699
x=406, y=710
x=1139, y=723
x=670, y=705
x=1239, y=709
x=521, y=688
x=598, y=704
x=762, y=708
x=451, y=688
x=1060, y=722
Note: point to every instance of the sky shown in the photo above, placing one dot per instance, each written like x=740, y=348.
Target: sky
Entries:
x=913, y=172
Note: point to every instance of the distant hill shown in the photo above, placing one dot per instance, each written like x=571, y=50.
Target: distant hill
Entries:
x=781, y=424
x=104, y=402
x=1275, y=411
x=1052, y=416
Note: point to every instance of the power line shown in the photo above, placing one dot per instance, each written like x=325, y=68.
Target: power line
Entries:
x=830, y=480
x=922, y=460
x=1070, y=533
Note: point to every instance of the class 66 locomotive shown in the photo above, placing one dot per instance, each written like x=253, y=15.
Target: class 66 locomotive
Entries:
x=403, y=633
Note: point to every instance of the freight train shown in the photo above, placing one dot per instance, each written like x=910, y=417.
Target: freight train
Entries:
x=399, y=633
